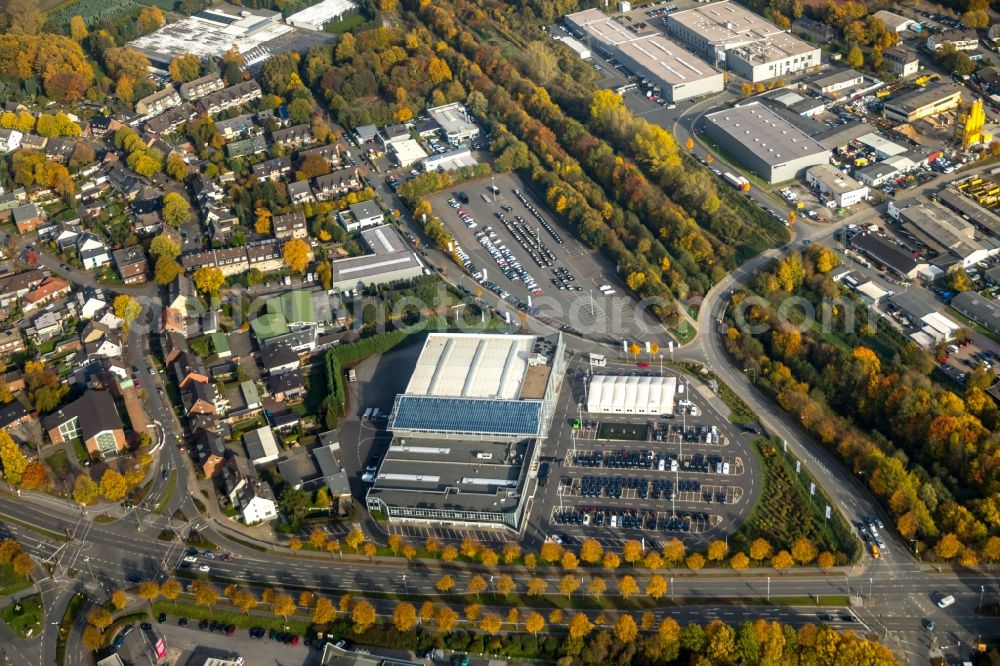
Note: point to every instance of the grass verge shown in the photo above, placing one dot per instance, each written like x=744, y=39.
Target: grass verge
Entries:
x=11, y=581
x=786, y=510
x=168, y=494
x=25, y=616
x=739, y=411
x=34, y=528
x=229, y=616
x=74, y=608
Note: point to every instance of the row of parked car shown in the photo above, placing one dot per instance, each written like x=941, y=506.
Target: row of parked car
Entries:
x=528, y=238
x=506, y=261
x=534, y=211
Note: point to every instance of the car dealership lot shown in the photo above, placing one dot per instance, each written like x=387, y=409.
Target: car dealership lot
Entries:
x=514, y=246
x=615, y=477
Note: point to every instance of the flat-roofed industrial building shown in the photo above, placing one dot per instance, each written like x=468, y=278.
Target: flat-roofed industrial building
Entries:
x=389, y=260
x=751, y=46
x=922, y=102
x=679, y=73
x=467, y=431
x=765, y=143
x=844, y=190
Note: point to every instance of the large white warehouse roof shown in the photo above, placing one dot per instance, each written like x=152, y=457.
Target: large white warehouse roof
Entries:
x=622, y=394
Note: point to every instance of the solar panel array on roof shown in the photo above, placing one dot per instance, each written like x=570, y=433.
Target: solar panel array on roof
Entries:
x=521, y=418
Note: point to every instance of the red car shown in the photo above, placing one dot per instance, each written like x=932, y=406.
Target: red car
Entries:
x=643, y=364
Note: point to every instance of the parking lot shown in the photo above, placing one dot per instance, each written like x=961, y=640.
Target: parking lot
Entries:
x=515, y=247
x=618, y=477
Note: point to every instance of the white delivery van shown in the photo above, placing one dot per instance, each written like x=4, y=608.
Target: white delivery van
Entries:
x=944, y=602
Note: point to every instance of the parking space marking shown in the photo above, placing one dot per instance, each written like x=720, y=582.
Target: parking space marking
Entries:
x=644, y=520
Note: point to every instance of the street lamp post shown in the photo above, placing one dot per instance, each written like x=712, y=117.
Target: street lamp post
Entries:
x=671, y=588
x=869, y=588
x=768, y=588
x=982, y=588
x=404, y=583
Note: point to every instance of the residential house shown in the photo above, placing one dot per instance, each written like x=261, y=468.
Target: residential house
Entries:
x=172, y=344
x=13, y=379
x=27, y=218
x=44, y=327
x=231, y=261
x=249, y=146
x=188, y=368
x=104, y=125
x=299, y=192
x=236, y=472
x=92, y=251
x=203, y=398
x=210, y=450
x=329, y=152
x=127, y=184
x=67, y=234
x=47, y=291
x=266, y=256
x=147, y=224
x=13, y=415
x=293, y=136
x=34, y=142
x=286, y=387
x=132, y=265
x=256, y=502
x=220, y=344
x=335, y=184
x=11, y=342
x=273, y=169
x=200, y=87
x=206, y=191
x=158, y=102
x=93, y=418
x=60, y=149
x=302, y=341
x=279, y=359
x=221, y=223
x=962, y=40
x=13, y=287
x=290, y=225
x=227, y=98
x=261, y=446
x=901, y=61
x=361, y=215
x=100, y=341
x=171, y=119
x=8, y=202
x=10, y=140
x=236, y=127
x=90, y=304
x=331, y=467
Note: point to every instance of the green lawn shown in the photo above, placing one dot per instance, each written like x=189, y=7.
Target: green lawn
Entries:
x=59, y=462
x=168, y=494
x=684, y=332
x=25, y=616
x=973, y=325
x=81, y=451
x=230, y=616
x=10, y=581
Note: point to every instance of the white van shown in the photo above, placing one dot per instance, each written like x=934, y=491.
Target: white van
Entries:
x=725, y=468
x=944, y=602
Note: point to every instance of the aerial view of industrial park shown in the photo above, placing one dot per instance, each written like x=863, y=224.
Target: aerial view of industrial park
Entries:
x=496, y=332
